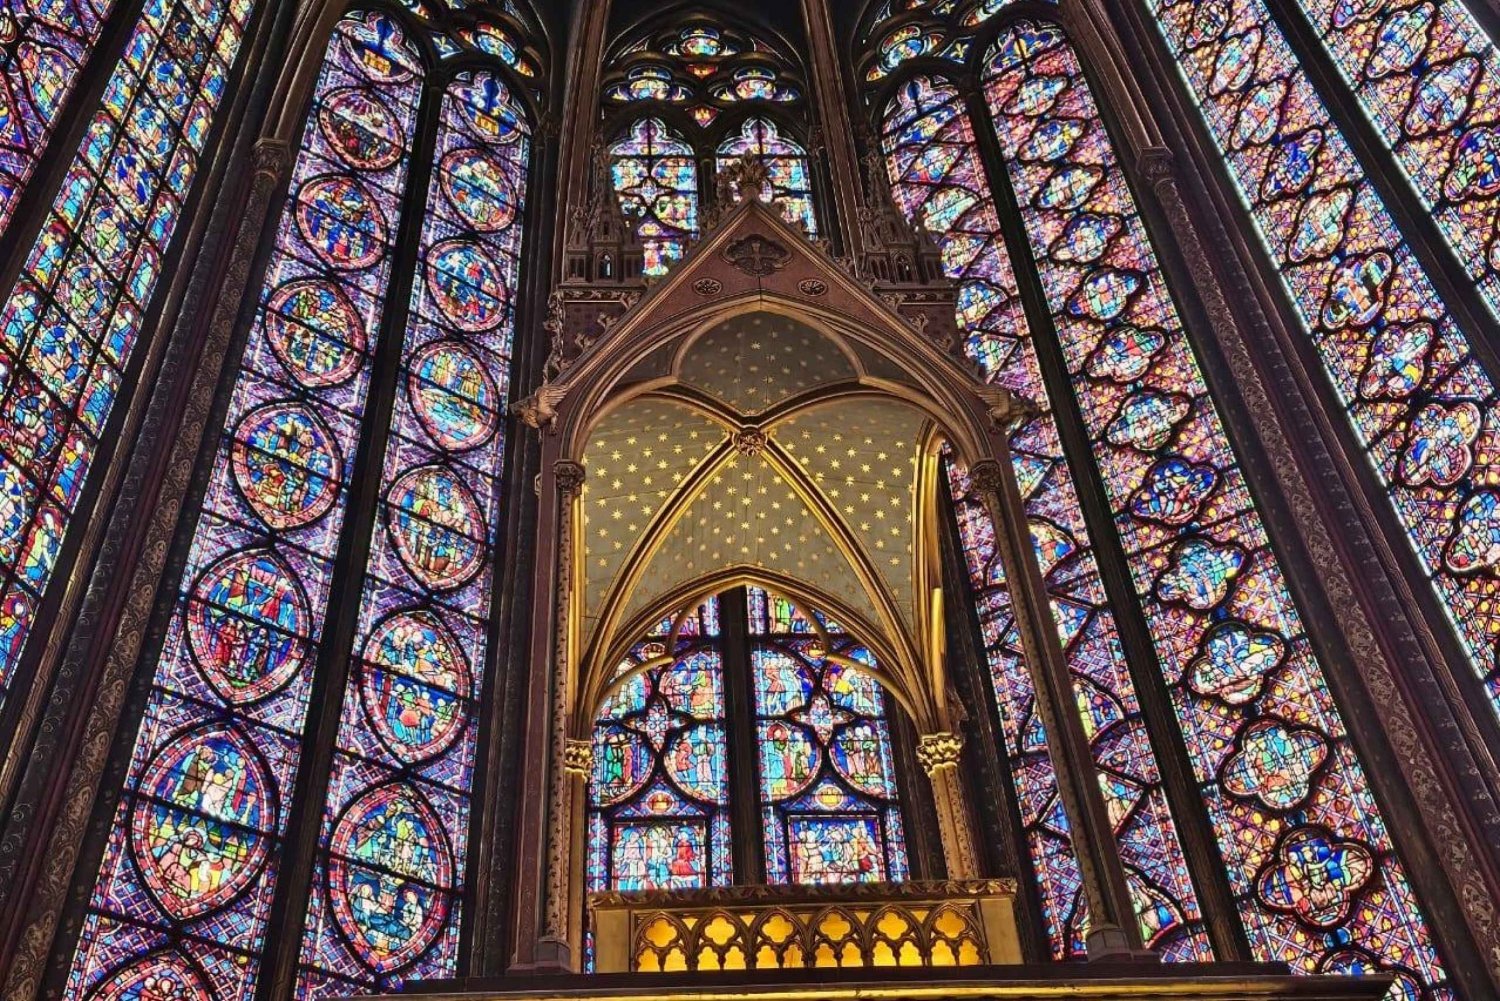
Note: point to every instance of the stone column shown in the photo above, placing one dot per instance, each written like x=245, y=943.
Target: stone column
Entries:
x=939, y=754
x=1113, y=932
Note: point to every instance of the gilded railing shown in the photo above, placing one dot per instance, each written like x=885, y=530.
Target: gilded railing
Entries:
x=954, y=923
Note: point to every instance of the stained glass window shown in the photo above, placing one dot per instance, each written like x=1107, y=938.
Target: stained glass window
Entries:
x=1410, y=385
x=939, y=183
x=822, y=762
x=659, y=794
x=69, y=324
x=727, y=94
x=43, y=48
x=1310, y=863
x=388, y=887
x=191, y=870
x=788, y=185
x=191, y=866
x=1429, y=79
x=657, y=182
x=830, y=805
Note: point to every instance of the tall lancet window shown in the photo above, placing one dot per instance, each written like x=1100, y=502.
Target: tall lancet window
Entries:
x=668, y=764
x=311, y=626
x=1413, y=391
x=697, y=97
x=71, y=319
x=1307, y=857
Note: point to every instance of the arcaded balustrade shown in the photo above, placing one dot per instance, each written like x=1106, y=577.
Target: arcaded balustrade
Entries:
x=953, y=923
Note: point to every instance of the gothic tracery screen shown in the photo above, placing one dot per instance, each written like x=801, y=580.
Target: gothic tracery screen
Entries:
x=825, y=779
x=192, y=872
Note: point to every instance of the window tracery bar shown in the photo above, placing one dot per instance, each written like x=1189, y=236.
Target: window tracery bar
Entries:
x=43, y=50
x=788, y=184
x=654, y=175
x=939, y=183
x=1421, y=404
x=829, y=799
x=659, y=792
x=1428, y=78
x=389, y=875
x=1310, y=862
x=68, y=326
x=181, y=902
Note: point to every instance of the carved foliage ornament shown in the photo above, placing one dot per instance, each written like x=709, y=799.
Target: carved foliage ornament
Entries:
x=937, y=751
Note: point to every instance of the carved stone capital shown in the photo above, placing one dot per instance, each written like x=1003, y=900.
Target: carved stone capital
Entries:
x=1157, y=166
x=986, y=477
x=939, y=751
x=271, y=156
x=570, y=476
x=578, y=757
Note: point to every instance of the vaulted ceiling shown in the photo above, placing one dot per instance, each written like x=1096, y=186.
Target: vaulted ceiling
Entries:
x=762, y=451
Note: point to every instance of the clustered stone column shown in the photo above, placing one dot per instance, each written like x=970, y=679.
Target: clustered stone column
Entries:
x=939, y=754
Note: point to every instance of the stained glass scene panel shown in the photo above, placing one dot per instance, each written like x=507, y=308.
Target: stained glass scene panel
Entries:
x=69, y=324
x=1309, y=858
x=1422, y=405
x=831, y=808
x=1428, y=77
x=939, y=183
x=657, y=183
x=659, y=793
x=46, y=46
x=388, y=882
x=181, y=901
x=788, y=184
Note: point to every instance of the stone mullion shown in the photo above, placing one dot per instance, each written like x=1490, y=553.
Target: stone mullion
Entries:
x=831, y=105
x=584, y=68
x=738, y=673
x=1200, y=848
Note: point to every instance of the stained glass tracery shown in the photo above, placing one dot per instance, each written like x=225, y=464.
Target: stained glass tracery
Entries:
x=195, y=851
x=191, y=870
x=829, y=799
x=939, y=182
x=654, y=175
x=1413, y=392
x=404, y=760
x=788, y=184
x=69, y=324
x=660, y=792
x=1309, y=859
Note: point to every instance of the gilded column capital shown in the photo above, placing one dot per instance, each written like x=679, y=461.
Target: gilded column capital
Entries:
x=939, y=751
x=578, y=757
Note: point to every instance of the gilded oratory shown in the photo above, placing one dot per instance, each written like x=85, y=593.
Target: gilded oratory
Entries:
x=896, y=500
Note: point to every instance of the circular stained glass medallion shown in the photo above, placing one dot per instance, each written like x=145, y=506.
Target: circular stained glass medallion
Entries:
x=480, y=189
x=247, y=623
x=389, y=876
x=859, y=756
x=341, y=222
x=466, y=285
x=315, y=331
x=286, y=464
x=436, y=526
x=377, y=45
x=197, y=829
x=413, y=685
x=789, y=758
x=159, y=975
x=695, y=760
x=361, y=128
x=453, y=396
